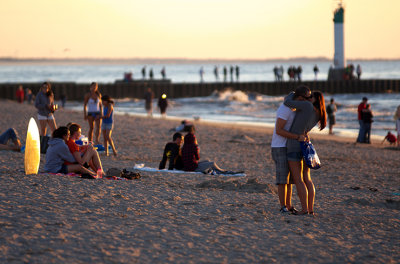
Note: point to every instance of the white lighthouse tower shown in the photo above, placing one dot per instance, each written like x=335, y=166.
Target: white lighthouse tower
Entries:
x=338, y=19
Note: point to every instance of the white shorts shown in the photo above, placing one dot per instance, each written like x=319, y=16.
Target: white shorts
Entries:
x=50, y=117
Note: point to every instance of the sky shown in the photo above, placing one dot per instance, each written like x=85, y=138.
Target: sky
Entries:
x=196, y=29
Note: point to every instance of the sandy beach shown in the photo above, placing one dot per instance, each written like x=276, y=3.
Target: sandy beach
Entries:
x=196, y=218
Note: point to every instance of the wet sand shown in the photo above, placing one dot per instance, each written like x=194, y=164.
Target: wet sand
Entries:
x=186, y=218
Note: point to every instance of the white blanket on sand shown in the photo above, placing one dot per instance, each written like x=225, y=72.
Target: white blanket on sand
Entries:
x=141, y=167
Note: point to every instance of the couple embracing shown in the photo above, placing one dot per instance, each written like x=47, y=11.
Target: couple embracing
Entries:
x=299, y=113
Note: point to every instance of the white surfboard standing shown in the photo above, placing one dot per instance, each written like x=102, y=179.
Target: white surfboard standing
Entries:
x=32, y=148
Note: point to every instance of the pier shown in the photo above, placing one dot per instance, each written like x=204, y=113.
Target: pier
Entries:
x=136, y=89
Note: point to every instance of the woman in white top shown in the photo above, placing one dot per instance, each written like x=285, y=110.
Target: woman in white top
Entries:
x=92, y=109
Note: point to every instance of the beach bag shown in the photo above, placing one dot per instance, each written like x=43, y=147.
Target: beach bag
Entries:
x=310, y=155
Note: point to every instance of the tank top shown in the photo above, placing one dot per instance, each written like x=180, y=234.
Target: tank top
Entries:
x=108, y=120
x=93, y=105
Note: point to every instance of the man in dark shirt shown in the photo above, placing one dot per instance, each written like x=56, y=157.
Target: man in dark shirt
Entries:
x=172, y=151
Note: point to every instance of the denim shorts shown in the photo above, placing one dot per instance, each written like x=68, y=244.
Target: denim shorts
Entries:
x=94, y=114
x=64, y=169
x=49, y=117
x=107, y=126
x=294, y=156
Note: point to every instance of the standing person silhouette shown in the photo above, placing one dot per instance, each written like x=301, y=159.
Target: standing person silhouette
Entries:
x=237, y=72
x=331, y=110
x=108, y=123
x=216, y=73
x=163, y=73
x=201, y=73
x=225, y=73
x=361, y=132
x=358, y=71
x=44, y=103
x=163, y=104
x=231, y=70
x=151, y=74
x=316, y=71
x=92, y=111
x=148, y=101
x=144, y=72
x=20, y=94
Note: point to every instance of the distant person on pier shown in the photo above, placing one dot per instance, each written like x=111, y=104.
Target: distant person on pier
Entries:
x=225, y=73
x=361, y=132
x=231, y=70
x=367, y=119
x=163, y=104
x=44, y=103
x=201, y=73
x=144, y=72
x=316, y=71
x=280, y=73
x=163, y=73
x=237, y=69
x=276, y=74
x=148, y=101
x=397, y=119
x=331, y=110
x=92, y=112
x=216, y=73
x=299, y=71
x=151, y=74
x=20, y=94
x=358, y=71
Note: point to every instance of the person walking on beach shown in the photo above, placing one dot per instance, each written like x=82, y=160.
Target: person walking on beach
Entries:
x=358, y=71
x=85, y=155
x=20, y=94
x=44, y=103
x=397, y=120
x=173, y=153
x=148, y=101
x=331, y=110
x=284, y=180
x=361, y=131
x=367, y=120
x=92, y=111
x=316, y=71
x=10, y=134
x=309, y=112
x=163, y=104
x=108, y=123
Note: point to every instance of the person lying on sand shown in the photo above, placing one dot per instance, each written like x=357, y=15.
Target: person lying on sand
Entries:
x=10, y=134
x=58, y=153
x=172, y=152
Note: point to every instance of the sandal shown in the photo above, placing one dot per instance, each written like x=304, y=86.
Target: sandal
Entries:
x=293, y=210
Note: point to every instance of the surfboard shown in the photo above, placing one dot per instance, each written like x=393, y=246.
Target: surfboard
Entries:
x=32, y=148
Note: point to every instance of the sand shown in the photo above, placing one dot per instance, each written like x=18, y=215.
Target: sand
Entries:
x=186, y=218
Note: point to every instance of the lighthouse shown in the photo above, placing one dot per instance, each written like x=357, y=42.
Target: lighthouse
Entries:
x=338, y=19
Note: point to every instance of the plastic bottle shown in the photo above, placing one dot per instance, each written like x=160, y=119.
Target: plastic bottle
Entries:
x=99, y=173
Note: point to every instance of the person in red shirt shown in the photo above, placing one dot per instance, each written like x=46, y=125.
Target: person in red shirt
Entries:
x=390, y=138
x=83, y=154
x=361, y=132
x=20, y=94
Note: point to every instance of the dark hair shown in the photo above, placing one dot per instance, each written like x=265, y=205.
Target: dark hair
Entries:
x=332, y=100
x=302, y=90
x=73, y=128
x=319, y=104
x=60, y=132
x=176, y=135
x=107, y=98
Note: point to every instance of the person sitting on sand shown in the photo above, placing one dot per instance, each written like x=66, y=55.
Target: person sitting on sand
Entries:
x=185, y=126
x=10, y=134
x=58, y=153
x=191, y=157
x=172, y=152
x=390, y=138
x=86, y=154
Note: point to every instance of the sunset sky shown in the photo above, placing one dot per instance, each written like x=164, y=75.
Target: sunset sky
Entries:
x=196, y=29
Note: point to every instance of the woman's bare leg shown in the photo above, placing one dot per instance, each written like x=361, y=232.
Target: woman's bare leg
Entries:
x=295, y=168
x=310, y=188
x=79, y=168
x=91, y=124
x=92, y=155
x=43, y=127
x=109, y=139
x=97, y=131
x=105, y=136
x=52, y=124
x=288, y=196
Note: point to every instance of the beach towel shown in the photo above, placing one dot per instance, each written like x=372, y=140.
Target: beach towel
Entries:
x=141, y=167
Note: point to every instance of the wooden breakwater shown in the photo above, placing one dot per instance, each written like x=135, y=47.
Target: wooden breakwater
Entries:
x=76, y=91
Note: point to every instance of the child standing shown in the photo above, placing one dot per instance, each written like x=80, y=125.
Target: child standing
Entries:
x=108, y=123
